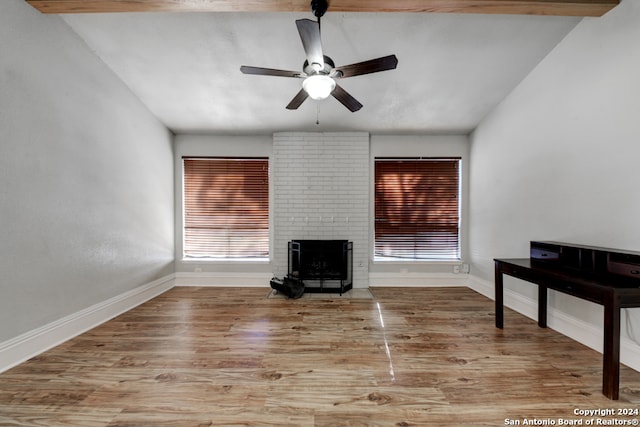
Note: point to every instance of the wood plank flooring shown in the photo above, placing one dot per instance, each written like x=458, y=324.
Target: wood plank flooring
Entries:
x=233, y=357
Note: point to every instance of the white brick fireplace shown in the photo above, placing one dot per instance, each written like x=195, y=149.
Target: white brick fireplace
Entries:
x=321, y=191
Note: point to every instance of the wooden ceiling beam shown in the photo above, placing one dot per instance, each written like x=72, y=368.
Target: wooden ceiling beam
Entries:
x=520, y=7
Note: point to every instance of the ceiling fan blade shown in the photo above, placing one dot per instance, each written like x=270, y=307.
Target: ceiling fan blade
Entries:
x=310, y=35
x=346, y=99
x=367, y=67
x=298, y=100
x=270, y=72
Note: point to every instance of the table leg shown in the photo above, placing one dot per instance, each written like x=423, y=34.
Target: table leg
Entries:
x=499, y=297
x=611, y=350
x=542, y=306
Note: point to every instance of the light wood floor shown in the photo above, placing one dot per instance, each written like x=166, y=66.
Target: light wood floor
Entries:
x=233, y=357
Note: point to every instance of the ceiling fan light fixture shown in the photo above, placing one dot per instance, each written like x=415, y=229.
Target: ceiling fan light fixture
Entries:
x=319, y=86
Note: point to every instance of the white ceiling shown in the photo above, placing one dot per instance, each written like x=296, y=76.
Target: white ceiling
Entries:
x=452, y=68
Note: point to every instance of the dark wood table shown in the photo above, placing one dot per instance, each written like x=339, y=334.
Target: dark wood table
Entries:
x=611, y=292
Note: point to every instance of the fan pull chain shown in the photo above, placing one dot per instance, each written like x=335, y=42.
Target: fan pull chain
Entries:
x=318, y=114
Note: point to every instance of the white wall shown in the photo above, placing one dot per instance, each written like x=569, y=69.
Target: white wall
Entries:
x=325, y=155
x=313, y=152
x=86, y=195
x=558, y=159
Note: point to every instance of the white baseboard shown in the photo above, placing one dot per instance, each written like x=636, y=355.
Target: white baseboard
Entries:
x=422, y=280
x=579, y=330
x=30, y=344
x=242, y=280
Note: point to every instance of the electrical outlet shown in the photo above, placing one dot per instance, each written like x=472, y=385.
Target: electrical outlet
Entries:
x=456, y=269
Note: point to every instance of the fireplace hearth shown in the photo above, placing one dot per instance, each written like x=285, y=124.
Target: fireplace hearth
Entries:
x=323, y=265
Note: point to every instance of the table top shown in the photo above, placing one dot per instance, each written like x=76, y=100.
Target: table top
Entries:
x=574, y=275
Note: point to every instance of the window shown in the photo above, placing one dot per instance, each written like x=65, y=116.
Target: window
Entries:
x=226, y=208
x=417, y=209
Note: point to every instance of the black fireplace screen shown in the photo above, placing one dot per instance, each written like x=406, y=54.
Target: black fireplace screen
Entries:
x=321, y=260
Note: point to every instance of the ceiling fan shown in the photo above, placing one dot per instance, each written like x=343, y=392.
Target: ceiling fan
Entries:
x=319, y=71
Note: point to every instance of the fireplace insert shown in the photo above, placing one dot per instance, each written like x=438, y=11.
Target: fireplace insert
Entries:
x=322, y=264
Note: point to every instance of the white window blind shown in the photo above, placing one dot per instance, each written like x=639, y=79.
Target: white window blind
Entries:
x=226, y=208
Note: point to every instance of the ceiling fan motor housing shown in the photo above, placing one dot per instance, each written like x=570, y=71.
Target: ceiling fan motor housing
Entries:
x=311, y=69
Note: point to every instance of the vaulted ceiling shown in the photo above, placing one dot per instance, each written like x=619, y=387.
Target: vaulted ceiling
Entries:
x=453, y=68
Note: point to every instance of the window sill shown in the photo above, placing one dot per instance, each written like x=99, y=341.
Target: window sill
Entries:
x=387, y=260
x=225, y=260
